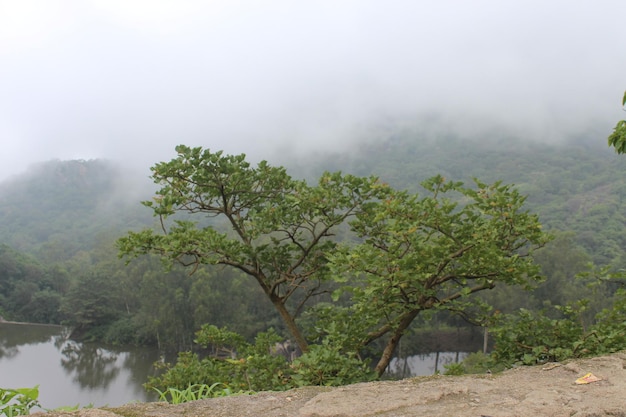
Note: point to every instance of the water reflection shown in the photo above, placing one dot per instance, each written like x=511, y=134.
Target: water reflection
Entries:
x=69, y=372
x=422, y=364
x=91, y=366
x=426, y=352
x=14, y=335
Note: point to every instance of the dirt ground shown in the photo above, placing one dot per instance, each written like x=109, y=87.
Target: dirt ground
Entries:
x=545, y=390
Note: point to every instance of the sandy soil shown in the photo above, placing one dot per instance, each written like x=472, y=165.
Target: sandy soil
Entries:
x=546, y=390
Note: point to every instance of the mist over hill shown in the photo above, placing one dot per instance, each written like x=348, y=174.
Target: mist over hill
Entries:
x=577, y=185
x=574, y=186
x=71, y=203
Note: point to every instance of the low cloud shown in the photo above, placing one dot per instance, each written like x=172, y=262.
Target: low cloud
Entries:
x=130, y=80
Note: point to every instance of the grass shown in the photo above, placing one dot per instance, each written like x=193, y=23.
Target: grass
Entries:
x=196, y=392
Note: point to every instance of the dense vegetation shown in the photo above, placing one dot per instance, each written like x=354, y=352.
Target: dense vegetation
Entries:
x=59, y=224
x=403, y=254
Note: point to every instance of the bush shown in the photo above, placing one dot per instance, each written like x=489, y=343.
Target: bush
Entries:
x=240, y=366
x=236, y=364
x=530, y=337
x=533, y=337
x=325, y=365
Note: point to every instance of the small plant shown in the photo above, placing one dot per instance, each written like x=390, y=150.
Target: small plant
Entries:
x=454, y=369
x=18, y=402
x=69, y=408
x=480, y=363
x=195, y=392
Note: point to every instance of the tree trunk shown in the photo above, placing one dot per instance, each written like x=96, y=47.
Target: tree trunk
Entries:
x=387, y=355
x=290, y=322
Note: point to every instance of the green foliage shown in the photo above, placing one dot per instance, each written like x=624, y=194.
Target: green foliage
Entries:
x=325, y=364
x=415, y=254
x=26, y=288
x=124, y=331
x=434, y=252
x=572, y=188
x=609, y=332
x=480, y=363
x=70, y=408
x=535, y=337
x=58, y=207
x=188, y=370
x=280, y=228
x=618, y=138
x=530, y=337
x=561, y=261
x=62, y=219
x=91, y=305
x=232, y=361
x=454, y=369
x=195, y=392
x=18, y=402
x=240, y=366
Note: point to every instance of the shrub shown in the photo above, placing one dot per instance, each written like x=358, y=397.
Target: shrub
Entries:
x=245, y=367
x=18, y=402
x=533, y=337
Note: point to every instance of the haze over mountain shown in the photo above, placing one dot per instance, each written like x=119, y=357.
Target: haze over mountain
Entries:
x=70, y=203
x=573, y=187
x=84, y=79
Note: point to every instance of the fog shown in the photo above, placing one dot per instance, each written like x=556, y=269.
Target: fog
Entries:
x=129, y=80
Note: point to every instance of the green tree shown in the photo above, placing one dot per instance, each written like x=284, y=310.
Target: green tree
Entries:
x=278, y=231
x=433, y=253
x=91, y=305
x=617, y=139
x=406, y=255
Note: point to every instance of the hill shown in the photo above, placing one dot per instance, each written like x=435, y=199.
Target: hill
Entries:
x=575, y=186
x=70, y=203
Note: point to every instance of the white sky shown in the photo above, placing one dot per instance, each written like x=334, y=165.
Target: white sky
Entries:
x=130, y=79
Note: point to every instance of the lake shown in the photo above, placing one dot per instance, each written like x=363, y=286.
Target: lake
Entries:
x=422, y=364
x=434, y=349
x=70, y=373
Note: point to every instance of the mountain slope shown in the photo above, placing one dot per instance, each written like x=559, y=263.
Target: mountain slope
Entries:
x=69, y=202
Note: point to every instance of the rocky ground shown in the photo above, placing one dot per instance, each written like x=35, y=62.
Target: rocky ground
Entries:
x=546, y=390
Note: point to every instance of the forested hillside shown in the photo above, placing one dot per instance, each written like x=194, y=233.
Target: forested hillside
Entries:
x=67, y=204
x=576, y=186
x=59, y=223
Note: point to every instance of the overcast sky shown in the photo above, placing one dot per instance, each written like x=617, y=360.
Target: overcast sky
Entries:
x=130, y=79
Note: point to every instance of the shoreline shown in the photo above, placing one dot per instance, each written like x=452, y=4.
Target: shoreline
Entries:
x=3, y=321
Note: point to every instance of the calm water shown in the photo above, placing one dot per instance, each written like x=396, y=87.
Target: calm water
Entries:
x=424, y=364
x=70, y=373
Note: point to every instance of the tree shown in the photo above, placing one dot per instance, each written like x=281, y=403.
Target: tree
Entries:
x=407, y=254
x=278, y=231
x=617, y=139
x=92, y=304
x=433, y=253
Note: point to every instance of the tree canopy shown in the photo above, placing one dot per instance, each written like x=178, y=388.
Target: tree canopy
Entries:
x=279, y=228
x=433, y=252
